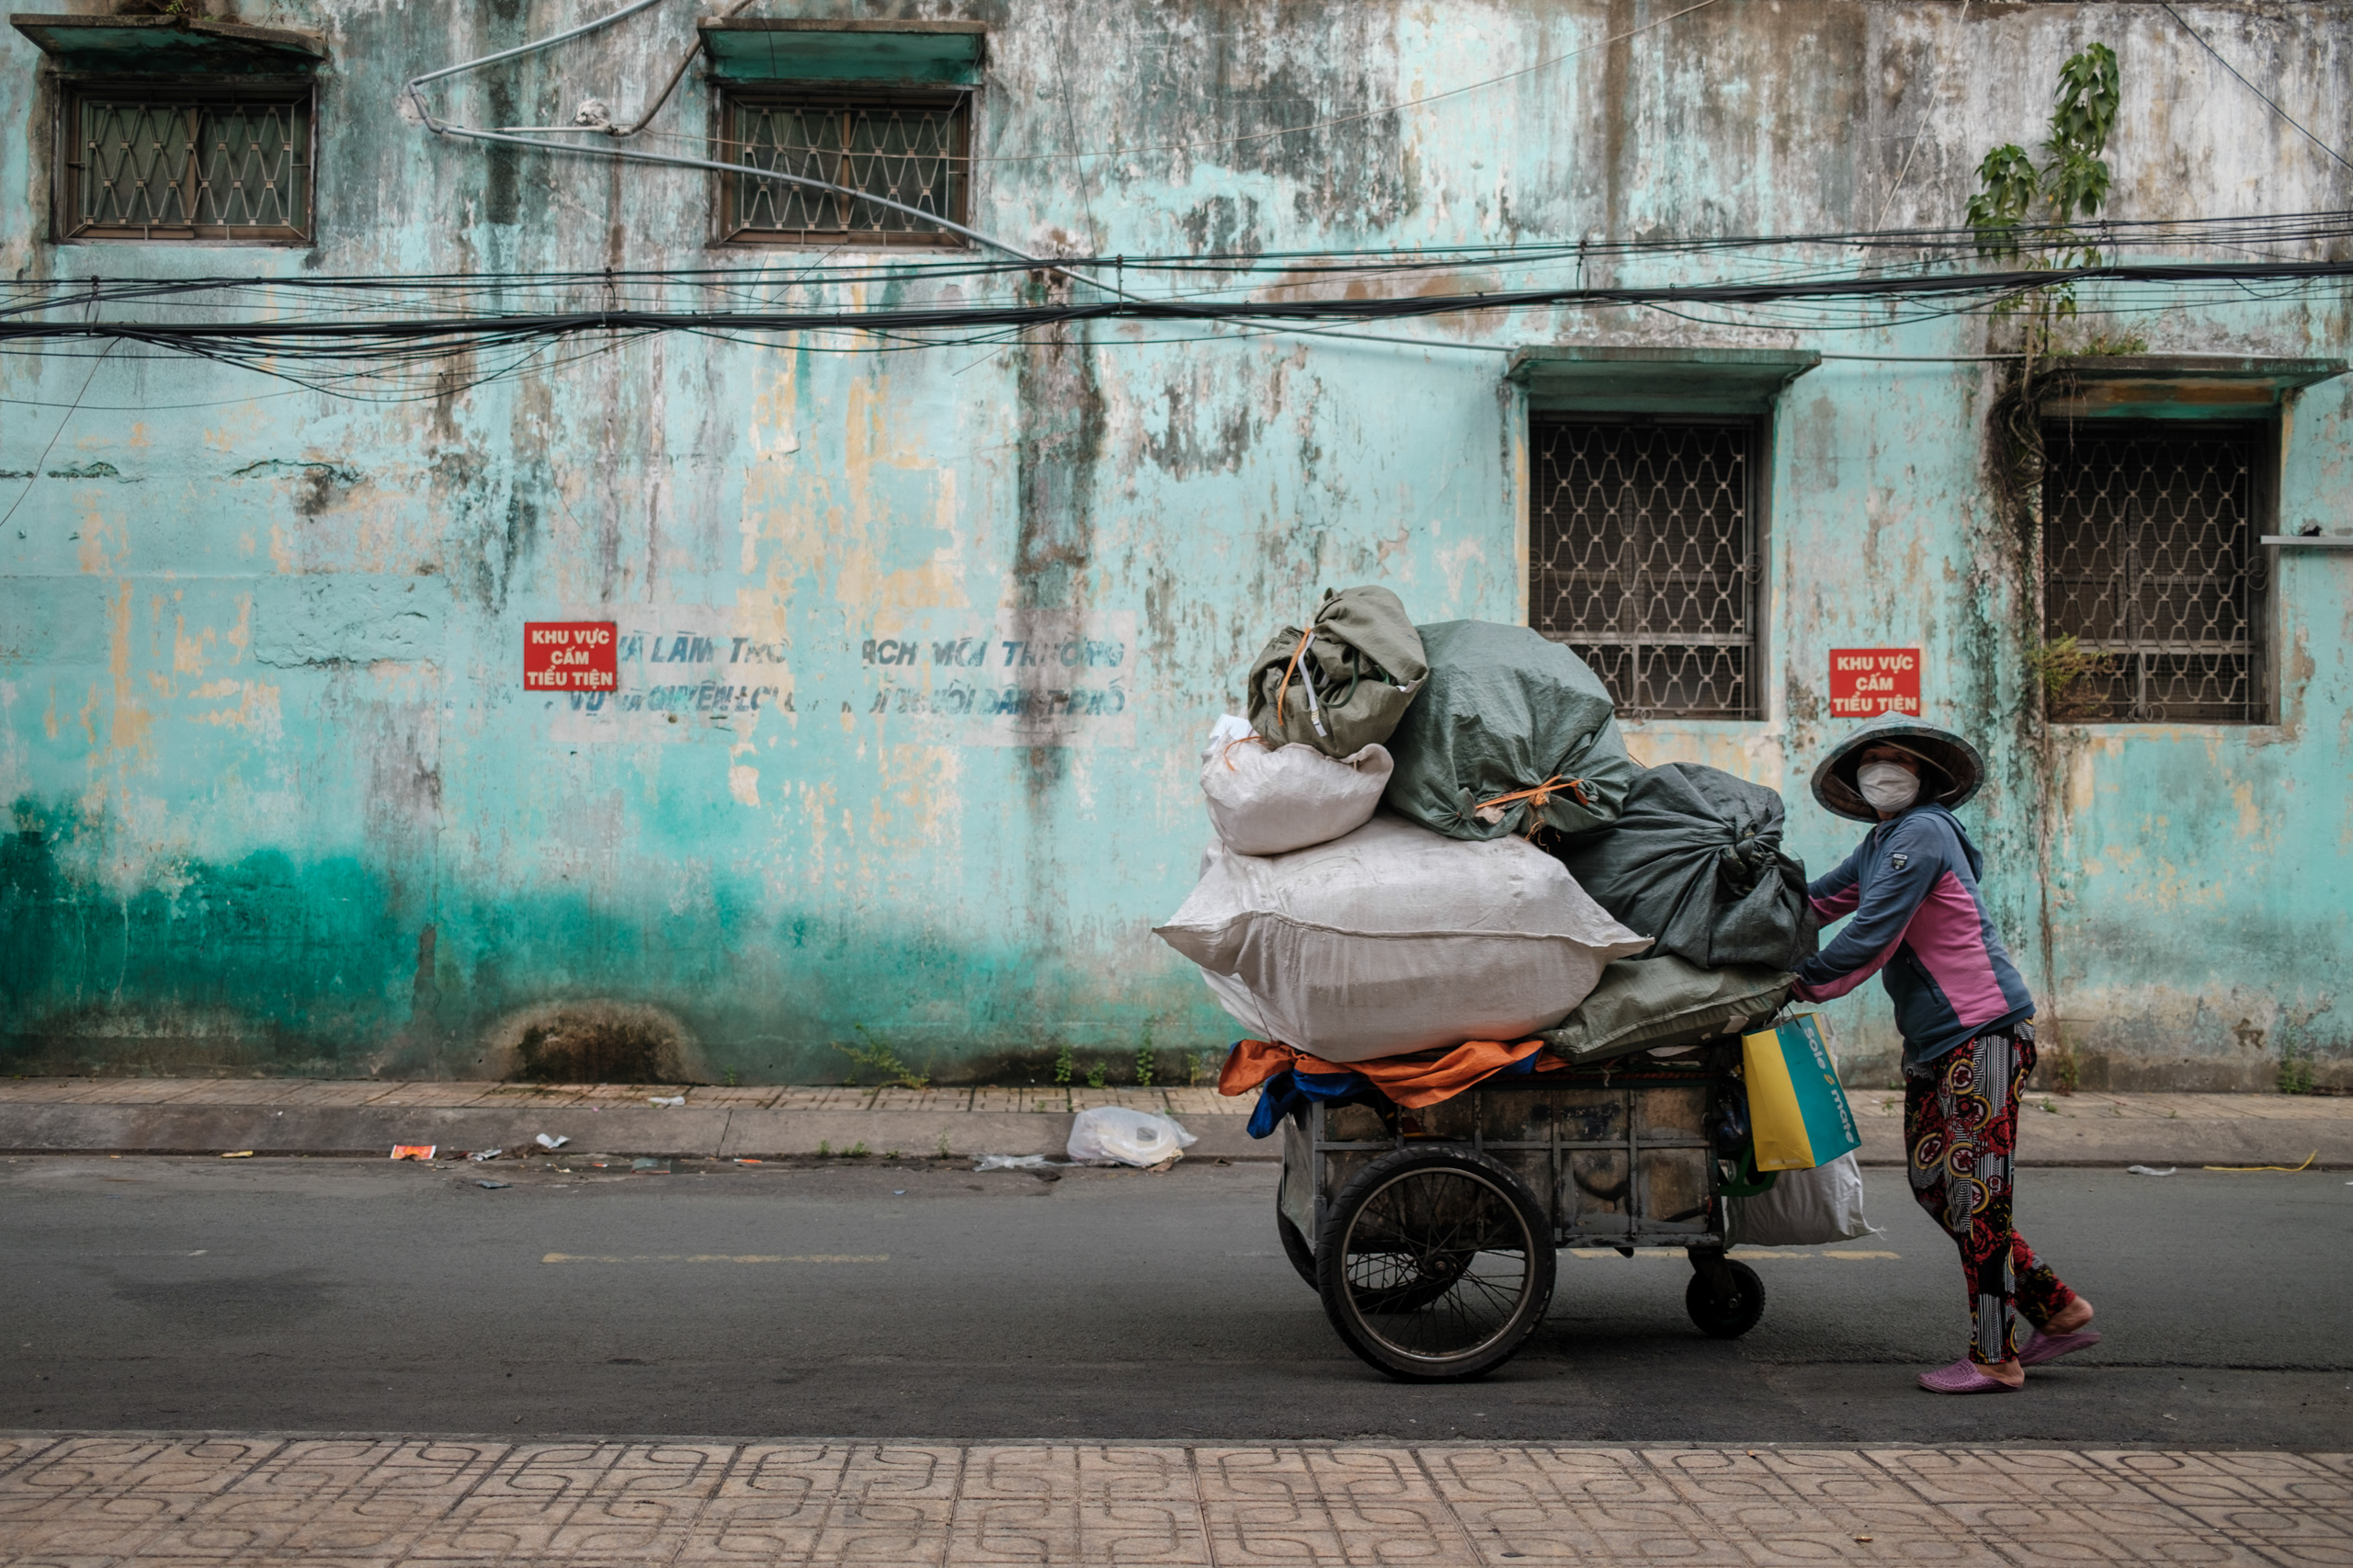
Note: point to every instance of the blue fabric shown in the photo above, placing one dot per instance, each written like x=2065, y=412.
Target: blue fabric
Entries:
x=1291, y=1090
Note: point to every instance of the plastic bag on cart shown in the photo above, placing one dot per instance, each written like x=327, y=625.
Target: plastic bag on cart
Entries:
x=1394, y=939
x=1511, y=733
x=1694, y=861
x=1129, y=1137
x=1270, y=799
x=1802, y=1209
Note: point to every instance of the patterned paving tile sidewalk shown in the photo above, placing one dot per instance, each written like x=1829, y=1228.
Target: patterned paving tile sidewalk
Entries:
x=127, y=1498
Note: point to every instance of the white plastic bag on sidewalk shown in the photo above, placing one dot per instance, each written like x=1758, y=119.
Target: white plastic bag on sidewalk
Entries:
x=1131, y=1137
x=1804, y=1208
x=1267, y=800
x=1395, y=939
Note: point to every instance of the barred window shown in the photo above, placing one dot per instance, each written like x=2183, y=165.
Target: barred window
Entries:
x=1643, y=558
x=908, y=147
x=169, y=163
x=2150, y=564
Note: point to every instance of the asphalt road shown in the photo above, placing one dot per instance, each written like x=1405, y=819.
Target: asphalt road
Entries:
x=868, y=1300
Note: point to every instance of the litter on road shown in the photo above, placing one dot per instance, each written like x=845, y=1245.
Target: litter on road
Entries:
x=413, y=1151
x=665, y=1100
x=241, y=1155
x=2148, y=1170
x=493, y=1186
x=1010, y=1162
x=1114, y=1133
x=546, y=1142
x=481, y=1154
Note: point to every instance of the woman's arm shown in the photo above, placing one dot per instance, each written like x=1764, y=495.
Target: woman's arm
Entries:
x=1912, y=862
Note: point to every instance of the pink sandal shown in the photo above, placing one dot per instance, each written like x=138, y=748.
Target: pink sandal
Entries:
x=1963, y=1376
x=2041, y=1347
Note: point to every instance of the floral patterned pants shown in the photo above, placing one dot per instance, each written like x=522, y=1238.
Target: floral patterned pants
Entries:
x=1961, y=1124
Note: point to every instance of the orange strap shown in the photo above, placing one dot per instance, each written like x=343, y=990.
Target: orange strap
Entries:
x=1290, y=669
x=1542, y=796
x=1242, y=740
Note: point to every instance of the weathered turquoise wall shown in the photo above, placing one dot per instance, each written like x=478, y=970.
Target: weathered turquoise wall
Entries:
x=281, y=801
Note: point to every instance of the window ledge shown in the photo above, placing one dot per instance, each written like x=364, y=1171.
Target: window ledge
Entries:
x=797, y=48
x=2161, y=386
x=1585, y=377
x=169, y=44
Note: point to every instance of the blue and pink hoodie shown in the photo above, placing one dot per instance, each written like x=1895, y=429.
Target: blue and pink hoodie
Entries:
x=1911, y=887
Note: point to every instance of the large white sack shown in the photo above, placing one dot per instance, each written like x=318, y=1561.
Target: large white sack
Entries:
x=1270, y=802
x=1395, y=939
x=1804, y=1208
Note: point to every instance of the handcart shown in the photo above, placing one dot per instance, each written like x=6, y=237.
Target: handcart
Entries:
x=1436, y=1232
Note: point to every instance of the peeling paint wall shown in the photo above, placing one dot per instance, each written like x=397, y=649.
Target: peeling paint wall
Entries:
x=937, y=631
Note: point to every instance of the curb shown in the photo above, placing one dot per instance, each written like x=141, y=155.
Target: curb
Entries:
x=642, y=1130
x=720, y=1132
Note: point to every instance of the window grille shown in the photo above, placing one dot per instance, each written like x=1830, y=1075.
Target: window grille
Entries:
x=2150, y=564
x=908, y=148
x=170, y=163
x=1642, y=559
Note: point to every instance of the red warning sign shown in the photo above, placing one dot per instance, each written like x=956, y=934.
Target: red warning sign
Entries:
x=569, y=655
x=1864, y=681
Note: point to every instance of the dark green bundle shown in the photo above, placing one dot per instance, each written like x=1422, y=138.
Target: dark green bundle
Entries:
x=1512, y=733
x=1342, y=684
x=1695, y=863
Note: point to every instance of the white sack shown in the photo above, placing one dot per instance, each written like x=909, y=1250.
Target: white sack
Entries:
x=1804, y=1208
x=1395, y=939
x=1131, y=1137
x=1266, y=801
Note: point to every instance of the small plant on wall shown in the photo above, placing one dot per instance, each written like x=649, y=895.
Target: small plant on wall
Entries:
x=2017, y=195
x=2061, y=668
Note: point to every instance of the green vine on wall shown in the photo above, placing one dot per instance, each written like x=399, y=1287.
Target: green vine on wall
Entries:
x=2020, y=201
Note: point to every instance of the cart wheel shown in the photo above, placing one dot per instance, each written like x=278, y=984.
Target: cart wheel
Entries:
x=1435, y=1264
x=1295, y=1247
x=1732, y=1313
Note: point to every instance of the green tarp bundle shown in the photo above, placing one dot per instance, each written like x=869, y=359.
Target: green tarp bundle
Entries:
x=1648, y=1004
x=1511, y=733
x=1345, y=687
x=1694, y=862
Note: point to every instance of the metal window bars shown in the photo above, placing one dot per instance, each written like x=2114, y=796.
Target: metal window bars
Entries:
x=910, y=150
x=185, y=164
x=1642, y=559
x=2149, y=562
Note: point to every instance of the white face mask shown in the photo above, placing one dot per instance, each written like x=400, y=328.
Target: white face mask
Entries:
x=1888, y=786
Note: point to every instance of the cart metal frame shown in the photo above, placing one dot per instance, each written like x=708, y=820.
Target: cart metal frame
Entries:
x=1621, y=1155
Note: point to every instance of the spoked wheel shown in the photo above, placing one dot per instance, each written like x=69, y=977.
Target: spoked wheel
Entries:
x=1725, y=1299
x=1435, y=1264
x=1295, y=1247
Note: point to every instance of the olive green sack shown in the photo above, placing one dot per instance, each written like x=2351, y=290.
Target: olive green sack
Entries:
x=1513, y=732
x=1350, y=683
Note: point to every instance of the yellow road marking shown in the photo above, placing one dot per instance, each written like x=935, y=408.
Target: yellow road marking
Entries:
x=1745, y=1254
x=719, y=1257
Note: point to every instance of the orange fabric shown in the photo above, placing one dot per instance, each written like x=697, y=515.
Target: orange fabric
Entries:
x=1422, y=1079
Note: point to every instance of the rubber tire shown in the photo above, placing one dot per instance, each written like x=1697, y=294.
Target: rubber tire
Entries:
x=1331, y=1273
x=1747, y=1308
x=1295, y=1247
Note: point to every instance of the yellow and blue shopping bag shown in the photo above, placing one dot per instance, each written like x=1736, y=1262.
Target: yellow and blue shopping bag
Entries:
x=1797, y=1113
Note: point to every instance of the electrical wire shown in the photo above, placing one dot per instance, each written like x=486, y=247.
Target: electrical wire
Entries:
x=2250, y=87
